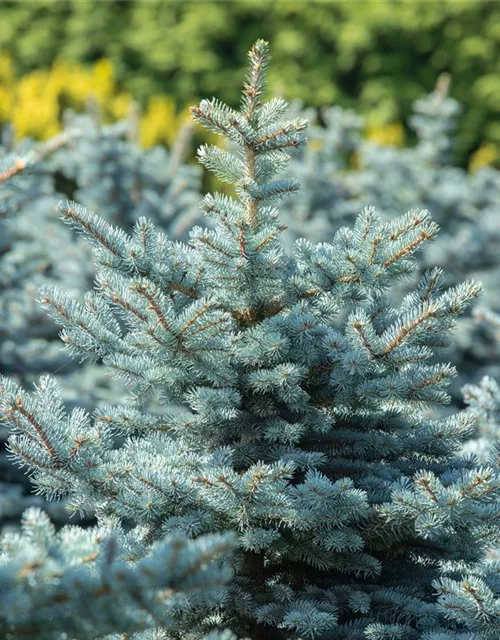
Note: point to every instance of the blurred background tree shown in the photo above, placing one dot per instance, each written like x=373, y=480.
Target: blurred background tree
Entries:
x=375, y=56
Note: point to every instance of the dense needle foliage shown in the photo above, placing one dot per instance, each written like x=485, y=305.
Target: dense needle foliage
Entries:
x=291, y=410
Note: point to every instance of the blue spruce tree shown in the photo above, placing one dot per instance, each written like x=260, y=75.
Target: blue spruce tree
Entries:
x=484, y=401
x=340, y=173
x=111, y=171
x=35, y=249
x=91, y=161
x=292, y=402
x=95, y=162
x=89, y=583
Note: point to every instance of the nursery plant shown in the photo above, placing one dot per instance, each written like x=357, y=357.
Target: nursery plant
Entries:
x=484, y=400
x=94, y=162
x=292, y=416
x=340, y=173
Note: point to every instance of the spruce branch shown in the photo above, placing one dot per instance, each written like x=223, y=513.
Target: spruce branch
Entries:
x=14, y=166
x=89, y=593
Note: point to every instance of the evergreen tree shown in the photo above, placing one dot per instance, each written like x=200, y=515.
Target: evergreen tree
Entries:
x=341, y=173
x=35, y=249
x=112, y=172
x=95, y=162
x=85, y=581
x=292, y=412
x=484, y=400
x=324, y=201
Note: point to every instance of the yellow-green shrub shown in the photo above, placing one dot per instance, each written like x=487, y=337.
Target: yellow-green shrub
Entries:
x=375, y=57
x=35, y=102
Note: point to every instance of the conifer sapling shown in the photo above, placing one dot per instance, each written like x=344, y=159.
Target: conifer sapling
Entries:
x=293, y=414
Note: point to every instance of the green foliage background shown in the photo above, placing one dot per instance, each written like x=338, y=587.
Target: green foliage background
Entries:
x=377, y=56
